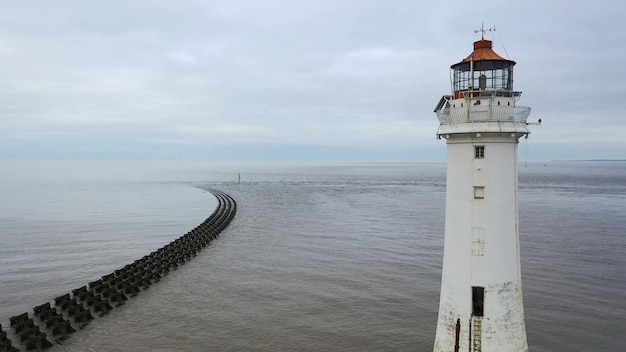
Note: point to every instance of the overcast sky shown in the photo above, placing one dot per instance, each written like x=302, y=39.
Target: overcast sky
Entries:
x=348, y=80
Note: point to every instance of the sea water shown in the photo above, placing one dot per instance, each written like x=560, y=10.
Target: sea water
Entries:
x=333, y=257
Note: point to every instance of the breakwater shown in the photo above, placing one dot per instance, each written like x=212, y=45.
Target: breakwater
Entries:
x=54, y=321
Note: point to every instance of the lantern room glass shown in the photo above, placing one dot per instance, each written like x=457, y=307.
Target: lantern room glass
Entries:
x=487, y=75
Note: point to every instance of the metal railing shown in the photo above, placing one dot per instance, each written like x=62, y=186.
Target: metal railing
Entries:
x=483, y=113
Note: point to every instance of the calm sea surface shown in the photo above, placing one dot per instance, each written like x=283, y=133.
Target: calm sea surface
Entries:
x=341, y=257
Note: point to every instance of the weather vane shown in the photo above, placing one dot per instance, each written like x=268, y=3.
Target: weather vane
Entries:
x=482, y=30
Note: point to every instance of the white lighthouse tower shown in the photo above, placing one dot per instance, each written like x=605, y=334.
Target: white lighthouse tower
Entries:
x=480, y=307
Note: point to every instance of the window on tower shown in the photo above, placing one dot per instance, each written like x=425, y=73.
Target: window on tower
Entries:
x=479, y=152
x=478, y=301
x=479, y=192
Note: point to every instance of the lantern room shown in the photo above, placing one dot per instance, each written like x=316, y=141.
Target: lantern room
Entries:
x=481, y=72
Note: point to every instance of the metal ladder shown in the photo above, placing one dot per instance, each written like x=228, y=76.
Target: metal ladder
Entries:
x=476, y=333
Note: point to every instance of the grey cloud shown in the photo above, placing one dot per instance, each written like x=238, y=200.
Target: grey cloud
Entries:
x=264, y=75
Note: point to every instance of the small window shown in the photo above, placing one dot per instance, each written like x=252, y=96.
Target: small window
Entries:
x=479, y=192
x=479, y=152
x=478, y=301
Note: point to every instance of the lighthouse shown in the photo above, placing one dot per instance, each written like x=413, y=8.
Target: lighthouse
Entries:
x=480, y=306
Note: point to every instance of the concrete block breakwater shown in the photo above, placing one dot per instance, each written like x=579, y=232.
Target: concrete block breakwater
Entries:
x=51, y=323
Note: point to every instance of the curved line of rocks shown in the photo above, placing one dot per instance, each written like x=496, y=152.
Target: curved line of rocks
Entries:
x=71, y=312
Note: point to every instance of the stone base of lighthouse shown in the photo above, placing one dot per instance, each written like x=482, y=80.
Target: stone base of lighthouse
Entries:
x=481, y=306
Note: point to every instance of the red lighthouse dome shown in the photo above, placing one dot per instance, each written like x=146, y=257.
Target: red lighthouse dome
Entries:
x=483, y=70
